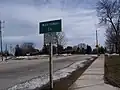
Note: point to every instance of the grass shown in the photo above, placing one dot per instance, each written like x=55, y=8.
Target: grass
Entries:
x=112, y=70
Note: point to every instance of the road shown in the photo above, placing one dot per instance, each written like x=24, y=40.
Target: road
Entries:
x=14, y=72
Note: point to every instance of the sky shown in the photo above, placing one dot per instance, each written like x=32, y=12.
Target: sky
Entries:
x=22, y=19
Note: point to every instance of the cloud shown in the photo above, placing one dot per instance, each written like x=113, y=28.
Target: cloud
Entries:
x=22, y=18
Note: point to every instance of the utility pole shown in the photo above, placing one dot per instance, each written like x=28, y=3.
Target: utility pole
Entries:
x=97, y=41
x=10, y=49
x=96, y=38
x=6, y=51
x=1, y=39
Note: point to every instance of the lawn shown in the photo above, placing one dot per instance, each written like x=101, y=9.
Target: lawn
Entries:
x=112, y=70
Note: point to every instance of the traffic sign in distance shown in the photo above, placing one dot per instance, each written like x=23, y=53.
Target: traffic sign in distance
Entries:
x=50, y=26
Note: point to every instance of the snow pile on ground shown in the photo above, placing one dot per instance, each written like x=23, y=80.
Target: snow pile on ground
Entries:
x=42, y=80
x=32, y=84
x=25, y=57
x=67, y=71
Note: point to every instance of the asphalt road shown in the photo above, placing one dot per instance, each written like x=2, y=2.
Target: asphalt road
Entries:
x=15, y=72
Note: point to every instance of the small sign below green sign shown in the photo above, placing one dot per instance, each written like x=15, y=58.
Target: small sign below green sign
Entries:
x=50, y=26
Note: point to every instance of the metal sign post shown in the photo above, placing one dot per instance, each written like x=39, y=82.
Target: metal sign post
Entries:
x=51, y=67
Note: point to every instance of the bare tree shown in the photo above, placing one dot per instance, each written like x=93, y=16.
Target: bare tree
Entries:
x=61, y=39
x=109, y=14
x=111, y=41
x=27, y=47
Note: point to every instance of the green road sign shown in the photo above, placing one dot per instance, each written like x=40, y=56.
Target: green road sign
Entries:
x=50, y=26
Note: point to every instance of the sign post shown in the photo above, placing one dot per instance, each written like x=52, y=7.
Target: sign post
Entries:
x=48, y=29
x=51, y=67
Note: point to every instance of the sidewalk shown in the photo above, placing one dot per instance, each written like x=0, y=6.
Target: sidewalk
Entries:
x=92, y=78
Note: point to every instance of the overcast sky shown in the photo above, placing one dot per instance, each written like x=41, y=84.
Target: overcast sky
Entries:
x=22, y=17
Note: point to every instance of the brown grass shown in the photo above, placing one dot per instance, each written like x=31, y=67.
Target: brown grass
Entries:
x=112, y=70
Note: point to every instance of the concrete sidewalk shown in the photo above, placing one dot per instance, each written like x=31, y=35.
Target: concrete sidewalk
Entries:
x=92, y=78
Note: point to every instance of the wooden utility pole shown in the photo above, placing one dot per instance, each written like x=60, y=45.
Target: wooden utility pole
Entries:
x=1, y=40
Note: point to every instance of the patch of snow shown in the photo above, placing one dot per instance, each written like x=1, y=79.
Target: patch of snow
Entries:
x=32, y=84
x=64, y=54
x=67, y=71
x=91, y=59
x=94, y=55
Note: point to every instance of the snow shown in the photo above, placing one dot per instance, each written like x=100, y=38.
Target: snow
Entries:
x=32, y=84
x=94, y=55
x=42, y=80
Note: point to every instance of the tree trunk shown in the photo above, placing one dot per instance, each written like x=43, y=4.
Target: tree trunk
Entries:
x=116, y=48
